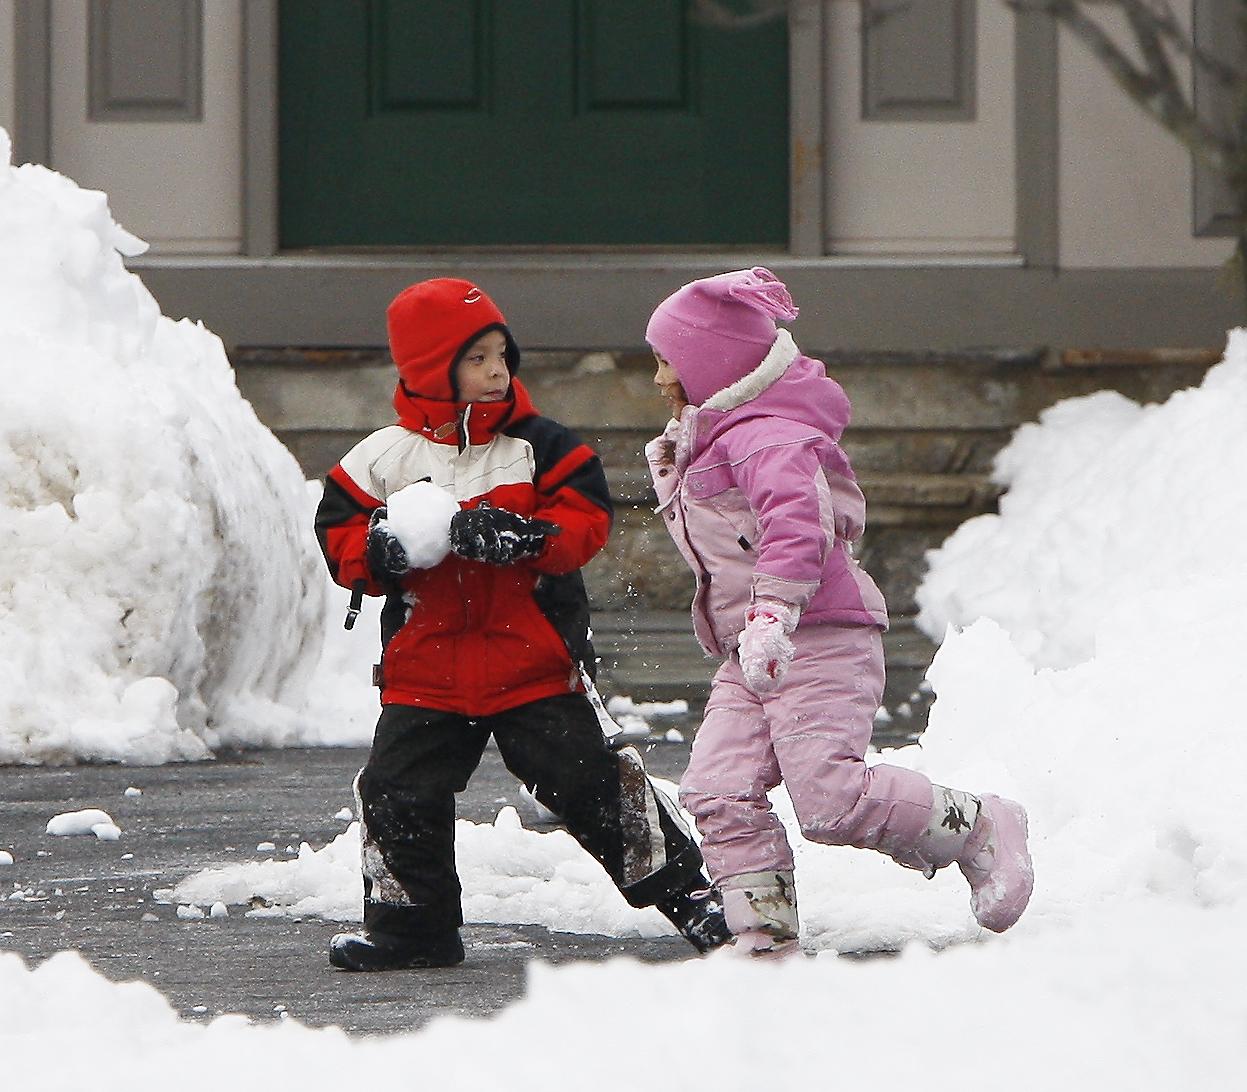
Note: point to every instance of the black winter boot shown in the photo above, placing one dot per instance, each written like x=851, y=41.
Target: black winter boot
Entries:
x=698, y=914
x=382, y=952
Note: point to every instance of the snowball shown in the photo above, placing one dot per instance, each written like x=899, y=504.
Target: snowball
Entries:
x=419, y=515
x=78, y=822
x=132, y=792
x=6, y=858
x=106, y=832
x=219, y=910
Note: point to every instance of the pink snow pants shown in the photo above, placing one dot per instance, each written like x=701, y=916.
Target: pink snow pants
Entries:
x=812, y=735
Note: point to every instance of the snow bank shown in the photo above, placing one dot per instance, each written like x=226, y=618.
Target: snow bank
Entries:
x=160, y=594
x=1107, y=500
x=1078, y=1010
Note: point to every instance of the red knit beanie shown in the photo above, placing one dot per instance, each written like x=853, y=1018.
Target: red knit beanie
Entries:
x=431, y=323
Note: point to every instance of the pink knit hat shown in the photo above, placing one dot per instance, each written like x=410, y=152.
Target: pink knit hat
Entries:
x=718, y=329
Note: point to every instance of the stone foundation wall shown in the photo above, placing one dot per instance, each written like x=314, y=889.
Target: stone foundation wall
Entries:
x=925, y=430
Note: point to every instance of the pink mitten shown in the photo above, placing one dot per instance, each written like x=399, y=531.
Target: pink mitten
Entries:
x=764, y=648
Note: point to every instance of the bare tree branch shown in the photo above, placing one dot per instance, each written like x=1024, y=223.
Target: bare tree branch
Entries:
x=1154, y=88
x=1161, y=14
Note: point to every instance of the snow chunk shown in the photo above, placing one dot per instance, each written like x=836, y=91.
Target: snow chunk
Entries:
x=71, y=823
x=419, y=515
x=6, y=858
x=106, y=832
x=133, y=793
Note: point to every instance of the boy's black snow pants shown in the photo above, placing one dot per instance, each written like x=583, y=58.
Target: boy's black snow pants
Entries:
x=422, y=757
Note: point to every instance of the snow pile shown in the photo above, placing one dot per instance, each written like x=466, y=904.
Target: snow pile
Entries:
x=1107, y=500
x=159, y=592
x=510, y=876
x=1119, y=556
x=419, y=515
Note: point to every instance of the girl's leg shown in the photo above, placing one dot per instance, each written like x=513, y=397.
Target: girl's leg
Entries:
x=746, y=850
x=821, y=720
x=729, y=773
x=820, y=725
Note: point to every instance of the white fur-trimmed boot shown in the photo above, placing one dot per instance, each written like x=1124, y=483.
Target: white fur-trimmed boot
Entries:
x=761, y=912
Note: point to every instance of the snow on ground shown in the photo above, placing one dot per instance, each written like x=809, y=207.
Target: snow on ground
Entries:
x=160, y=594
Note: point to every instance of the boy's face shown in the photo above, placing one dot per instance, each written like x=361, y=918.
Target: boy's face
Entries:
x=482, y=375
x=669, y=386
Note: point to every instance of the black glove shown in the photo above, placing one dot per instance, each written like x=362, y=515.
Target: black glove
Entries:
x=496, y=535
x=384, y=554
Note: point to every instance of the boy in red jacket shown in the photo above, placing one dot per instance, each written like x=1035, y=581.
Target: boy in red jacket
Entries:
x=492, y=640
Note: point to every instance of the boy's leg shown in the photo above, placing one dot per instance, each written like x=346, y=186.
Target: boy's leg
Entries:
x=420, y=759
x=608, y=804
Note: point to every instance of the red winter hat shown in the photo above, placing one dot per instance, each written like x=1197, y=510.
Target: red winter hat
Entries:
x=430, y=325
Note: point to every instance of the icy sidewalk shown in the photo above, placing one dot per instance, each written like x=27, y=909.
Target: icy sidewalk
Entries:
x=97, y=896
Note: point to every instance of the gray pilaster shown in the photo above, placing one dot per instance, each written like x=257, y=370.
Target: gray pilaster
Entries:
x=259, y=120
x=1217, y=30
x=1036, y=136
x=807, y=97
x=32, y=135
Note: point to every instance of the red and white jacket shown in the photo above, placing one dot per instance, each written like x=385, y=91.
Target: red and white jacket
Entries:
x=465, y=636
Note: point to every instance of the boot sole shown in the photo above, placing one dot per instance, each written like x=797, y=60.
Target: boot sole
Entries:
x=340, y=958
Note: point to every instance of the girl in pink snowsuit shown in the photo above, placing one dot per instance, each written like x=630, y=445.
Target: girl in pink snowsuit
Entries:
x=761, y=500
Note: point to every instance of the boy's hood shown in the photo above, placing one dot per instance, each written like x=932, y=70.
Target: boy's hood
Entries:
x=441, y=421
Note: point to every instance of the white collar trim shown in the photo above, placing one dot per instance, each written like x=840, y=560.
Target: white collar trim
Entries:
x=782, y=353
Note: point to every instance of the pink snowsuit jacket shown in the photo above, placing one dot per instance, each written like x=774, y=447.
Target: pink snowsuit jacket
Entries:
x=762, y=502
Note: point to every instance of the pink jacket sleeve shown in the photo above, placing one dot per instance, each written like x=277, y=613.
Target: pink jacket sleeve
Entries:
x=777, y=466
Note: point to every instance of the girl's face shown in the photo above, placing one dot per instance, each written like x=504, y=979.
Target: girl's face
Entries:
x=668, y=384
x=482, y=375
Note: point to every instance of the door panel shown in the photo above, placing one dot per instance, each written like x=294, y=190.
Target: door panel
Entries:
x=529, y=122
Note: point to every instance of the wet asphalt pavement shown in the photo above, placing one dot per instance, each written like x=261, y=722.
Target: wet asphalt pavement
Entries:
x=94, y=896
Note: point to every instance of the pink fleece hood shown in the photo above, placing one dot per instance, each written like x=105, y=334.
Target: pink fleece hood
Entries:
x=716, y=330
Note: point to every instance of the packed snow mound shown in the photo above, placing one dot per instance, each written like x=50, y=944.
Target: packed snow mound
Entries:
x=1093, y=661
x=160, y=594
x=1106, y=499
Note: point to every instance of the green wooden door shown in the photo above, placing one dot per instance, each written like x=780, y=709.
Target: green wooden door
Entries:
x=529, y=122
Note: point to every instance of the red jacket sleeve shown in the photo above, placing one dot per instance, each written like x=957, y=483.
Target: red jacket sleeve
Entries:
x=342, y=530
x=571, y=493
